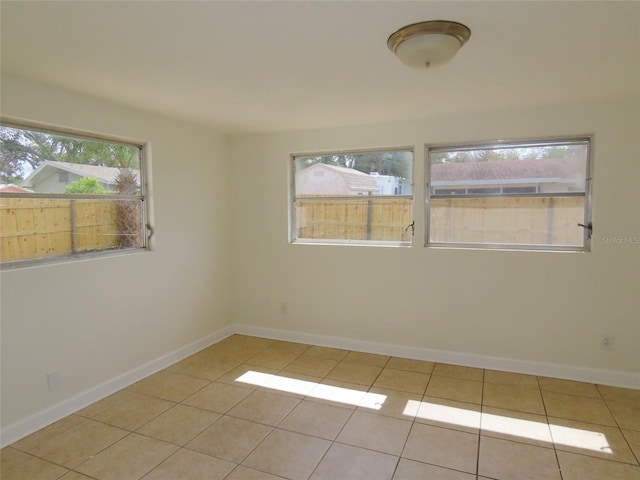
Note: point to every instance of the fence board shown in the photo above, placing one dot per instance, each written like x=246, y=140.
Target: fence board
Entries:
x=32, y=228
x=511, y=220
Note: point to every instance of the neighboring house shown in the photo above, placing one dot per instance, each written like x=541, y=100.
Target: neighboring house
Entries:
x=391, y=185
x=11, y=188
x=322, y=179
x=53, y=177
x=546, y=175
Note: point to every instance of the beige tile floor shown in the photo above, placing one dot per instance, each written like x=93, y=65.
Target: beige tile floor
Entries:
x=255, y=409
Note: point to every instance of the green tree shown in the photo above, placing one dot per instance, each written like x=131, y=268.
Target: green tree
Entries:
x=85, y=185
x=23, y=150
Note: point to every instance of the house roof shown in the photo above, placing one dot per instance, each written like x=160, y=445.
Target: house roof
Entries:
x=11, y=188
x=106, y=175
x=355, y=180
x=542, y=170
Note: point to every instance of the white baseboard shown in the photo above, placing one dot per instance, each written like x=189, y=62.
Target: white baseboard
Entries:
x=22, y=428
x=567, y=372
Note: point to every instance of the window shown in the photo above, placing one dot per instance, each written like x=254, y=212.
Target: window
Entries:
x=64, y=196
x=523, y=195
x=360, y=197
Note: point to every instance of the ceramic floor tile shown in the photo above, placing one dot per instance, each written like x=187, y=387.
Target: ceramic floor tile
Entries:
x=627, y=415
x=326, y=353
x=288, y=347
x=341, y=394
x=316, y=419
x=264, y=407
x=170, y=386
x=288, y=454
x=7, y=453
x=188, y=465
x=355, y=373
x=242, y=374
x=219, y=397
x=246, y=473
x=580, y=467
x=568, y=386
x=353, y=463
x=402, y=380
x=325, y=420
x=410, y=365
x=441, y=412
x=513, y=397
x=206, y=369
x=272, y=359
x=633, y=438
x=622, y=395
x=516, y=461
x=291, y=384
x=507, y=378
x=246, y=341
x=516, y=426
x=573, y=407
x=74, y=476
x=78, y=444
x=230, y=439
x=53, y=430
x=412, y=470
x=22, y=466
x=317, y=367
x=375, y=432
x=590, y=439
x=455, y=371
x=391, y=403
x=134, y=412
x=115, y=399
x=179, y=425
x=461, y=390
x=128, y=459
x=367, y=359
x=442, y=447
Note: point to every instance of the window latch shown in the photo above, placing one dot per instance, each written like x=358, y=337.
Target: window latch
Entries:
x=411, y=226
x=588, y=226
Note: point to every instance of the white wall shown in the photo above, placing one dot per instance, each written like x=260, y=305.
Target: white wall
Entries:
x=97, y=319
x=528, y=306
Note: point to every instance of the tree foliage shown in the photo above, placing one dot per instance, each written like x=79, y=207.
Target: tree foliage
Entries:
x=507, y=154
x=85, y=185
x=21, y=151
x=394, y=163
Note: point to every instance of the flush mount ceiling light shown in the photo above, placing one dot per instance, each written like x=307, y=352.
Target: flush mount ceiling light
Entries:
x=428, y=44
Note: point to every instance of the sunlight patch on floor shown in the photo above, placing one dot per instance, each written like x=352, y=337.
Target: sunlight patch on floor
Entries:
x=568, y=436
x=322, y=391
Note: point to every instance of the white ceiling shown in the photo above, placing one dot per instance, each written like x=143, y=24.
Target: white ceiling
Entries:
x=272, y=66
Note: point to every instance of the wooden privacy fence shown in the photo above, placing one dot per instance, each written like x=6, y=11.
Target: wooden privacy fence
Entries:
x=32, y=228
x=361, y=218
x=499, y=220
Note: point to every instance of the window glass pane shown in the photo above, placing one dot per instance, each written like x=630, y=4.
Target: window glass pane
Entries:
x=547, y=168
x=52, y=163
x=48, y=188
x=38, y=228
x=531, y=195
x=349, y=174
x=354, y=197
x=540, y=221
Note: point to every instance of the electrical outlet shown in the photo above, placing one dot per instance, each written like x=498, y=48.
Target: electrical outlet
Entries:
x=53, y=380
x=607, y=342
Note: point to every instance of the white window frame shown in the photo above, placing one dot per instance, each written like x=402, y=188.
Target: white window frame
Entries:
x=146, y=224
x=587, y=225
x=379, y=243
